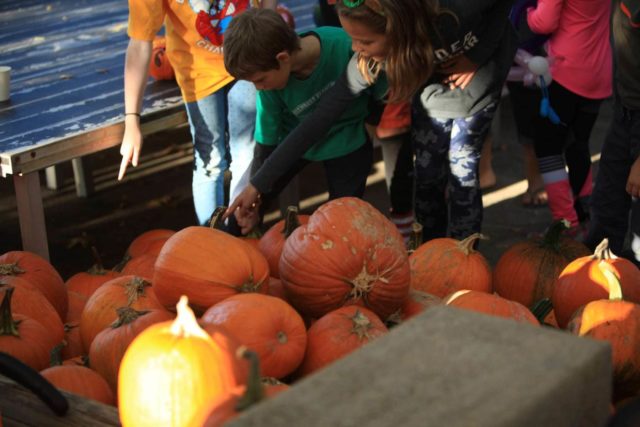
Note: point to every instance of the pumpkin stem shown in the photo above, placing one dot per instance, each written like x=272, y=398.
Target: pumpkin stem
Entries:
x=466, y=245
x=97, y=269
x=255, y=390
x=362, y=283
x=8, y=326
x=55, y=356
x=10, y=269
x=127, y=315
x=361, y=325
x=603, y=252
x=119, y=266
x=135, y=289
x=249, y=286
x=185, y=324
x=415, y=239
x=215, y=221
x=615, y=290
x=552, y=236
x=541, y=309
x=291, y=221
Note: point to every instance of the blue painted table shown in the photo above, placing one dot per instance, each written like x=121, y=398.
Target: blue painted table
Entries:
x=67, y=59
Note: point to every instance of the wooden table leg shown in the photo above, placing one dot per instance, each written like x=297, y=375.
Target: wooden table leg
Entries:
x=82, y=177
x=31, y=214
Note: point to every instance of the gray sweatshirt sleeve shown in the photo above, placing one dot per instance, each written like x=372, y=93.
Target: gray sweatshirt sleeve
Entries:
x=312, y=129
x=495, y=14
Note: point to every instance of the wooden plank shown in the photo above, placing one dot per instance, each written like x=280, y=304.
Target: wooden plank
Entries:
x=31, y=213
x=20, y=407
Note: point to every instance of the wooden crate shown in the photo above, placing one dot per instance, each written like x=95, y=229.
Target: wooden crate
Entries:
x=21, y=408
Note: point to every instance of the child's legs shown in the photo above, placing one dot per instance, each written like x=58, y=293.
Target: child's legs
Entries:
x=610, y=202
x=347, y=175
x=207, y=120
x=430, y=139
x=465, y=197
x=241, y=118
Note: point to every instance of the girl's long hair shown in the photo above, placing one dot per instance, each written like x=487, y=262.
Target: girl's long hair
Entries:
x=409, y=27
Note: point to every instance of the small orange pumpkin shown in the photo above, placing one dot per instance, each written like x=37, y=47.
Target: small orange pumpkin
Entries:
x=491, y=304
x=272, y=242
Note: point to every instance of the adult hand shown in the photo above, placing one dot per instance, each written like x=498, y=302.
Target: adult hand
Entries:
x=130, y=147
x=459, y=71
x=247, y=222
x=246, y=202
x=633, y=182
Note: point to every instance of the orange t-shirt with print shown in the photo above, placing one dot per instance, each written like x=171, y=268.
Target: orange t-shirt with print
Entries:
x=198, y=63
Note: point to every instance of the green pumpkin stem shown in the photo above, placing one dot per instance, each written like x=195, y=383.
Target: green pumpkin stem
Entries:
x=467, y=244
x=552, y=236
x=291, y=221
x=255, y=390
x=541, y=309
x=415, y=239
x=215, y=221
x=615, y=289
x=8, y=326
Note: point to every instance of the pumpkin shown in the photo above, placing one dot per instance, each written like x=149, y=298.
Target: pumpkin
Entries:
x=416, y=303
x=160, y=67
x=100, y=310
x=348, y=253
x=207, y=265
x=141, y=266
x=149, y=243
x=276, y=289
x=78, y=379
x=87, y=282
x=171, y=370
x=491, y=304
x=445, y=265
x=582, y=281
x=39, y=273
x=22, y=337
x=337, y=334
x=77, y=302
x=272, y=242
x=265, y=324
x=72, y=342
x=29, y=301
x=527, y=271
x=617, y=322
x=108, y=347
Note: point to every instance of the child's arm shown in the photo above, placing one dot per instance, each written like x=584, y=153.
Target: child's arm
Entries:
x=633, y=182
x=545, y=17
x=312, y=129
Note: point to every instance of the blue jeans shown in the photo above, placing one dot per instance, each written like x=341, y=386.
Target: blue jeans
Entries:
x=613, y=212
x=227, y=115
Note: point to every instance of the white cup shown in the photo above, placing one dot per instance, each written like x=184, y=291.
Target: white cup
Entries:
x=5, y=82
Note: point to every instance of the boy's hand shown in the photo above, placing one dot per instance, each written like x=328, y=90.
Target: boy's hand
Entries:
x=459, y=70
x=130, y=149
x=246, y=202
x=633, y=182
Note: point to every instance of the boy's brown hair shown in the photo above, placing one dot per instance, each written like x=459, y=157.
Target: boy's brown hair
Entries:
x=252, y=41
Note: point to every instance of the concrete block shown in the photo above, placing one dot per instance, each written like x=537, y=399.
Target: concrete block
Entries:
x=449, y=367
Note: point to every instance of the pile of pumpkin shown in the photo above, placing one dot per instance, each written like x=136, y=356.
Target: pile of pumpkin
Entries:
x=257, y=311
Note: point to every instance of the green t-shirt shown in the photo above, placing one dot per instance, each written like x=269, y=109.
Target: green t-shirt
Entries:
x=280, y=111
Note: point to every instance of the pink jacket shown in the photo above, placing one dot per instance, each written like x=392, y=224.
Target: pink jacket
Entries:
x=579, y=43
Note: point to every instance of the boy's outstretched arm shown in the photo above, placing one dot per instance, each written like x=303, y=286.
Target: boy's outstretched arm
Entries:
x=136, y=71
x=633, y=182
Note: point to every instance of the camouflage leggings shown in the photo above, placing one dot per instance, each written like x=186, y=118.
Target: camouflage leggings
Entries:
x=446, y=170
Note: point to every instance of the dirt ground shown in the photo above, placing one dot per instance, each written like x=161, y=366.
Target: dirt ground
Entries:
x=157, y=194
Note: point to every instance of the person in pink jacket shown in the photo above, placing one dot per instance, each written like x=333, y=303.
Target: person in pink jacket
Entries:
x=581, y=68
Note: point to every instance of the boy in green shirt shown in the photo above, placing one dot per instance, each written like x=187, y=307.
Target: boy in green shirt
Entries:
x=291, y=72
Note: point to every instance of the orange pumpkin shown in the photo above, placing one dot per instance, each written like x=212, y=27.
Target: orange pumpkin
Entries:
x=265, y=324
x=491, y=304
x=108, y=347
x=87, y=282
x=77, y=302
x=272, y=242
x=39, y=273
x=337, y=334
x=80, y=380
x=445, y=265
x=583, y=281
x=207, y=266
x=527, y=271
x=72, y=342
x=417, y=302
x=149, y=243
x=141, y=266
x=100, y=310
x=617, y=322
x=171, y=370
x=348, y=253
x=276, y=289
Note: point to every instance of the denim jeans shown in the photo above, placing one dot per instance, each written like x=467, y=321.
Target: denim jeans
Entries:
x=613, y=212
x=223, y=119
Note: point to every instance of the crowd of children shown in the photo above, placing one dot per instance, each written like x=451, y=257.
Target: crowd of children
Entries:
x=442, y=66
